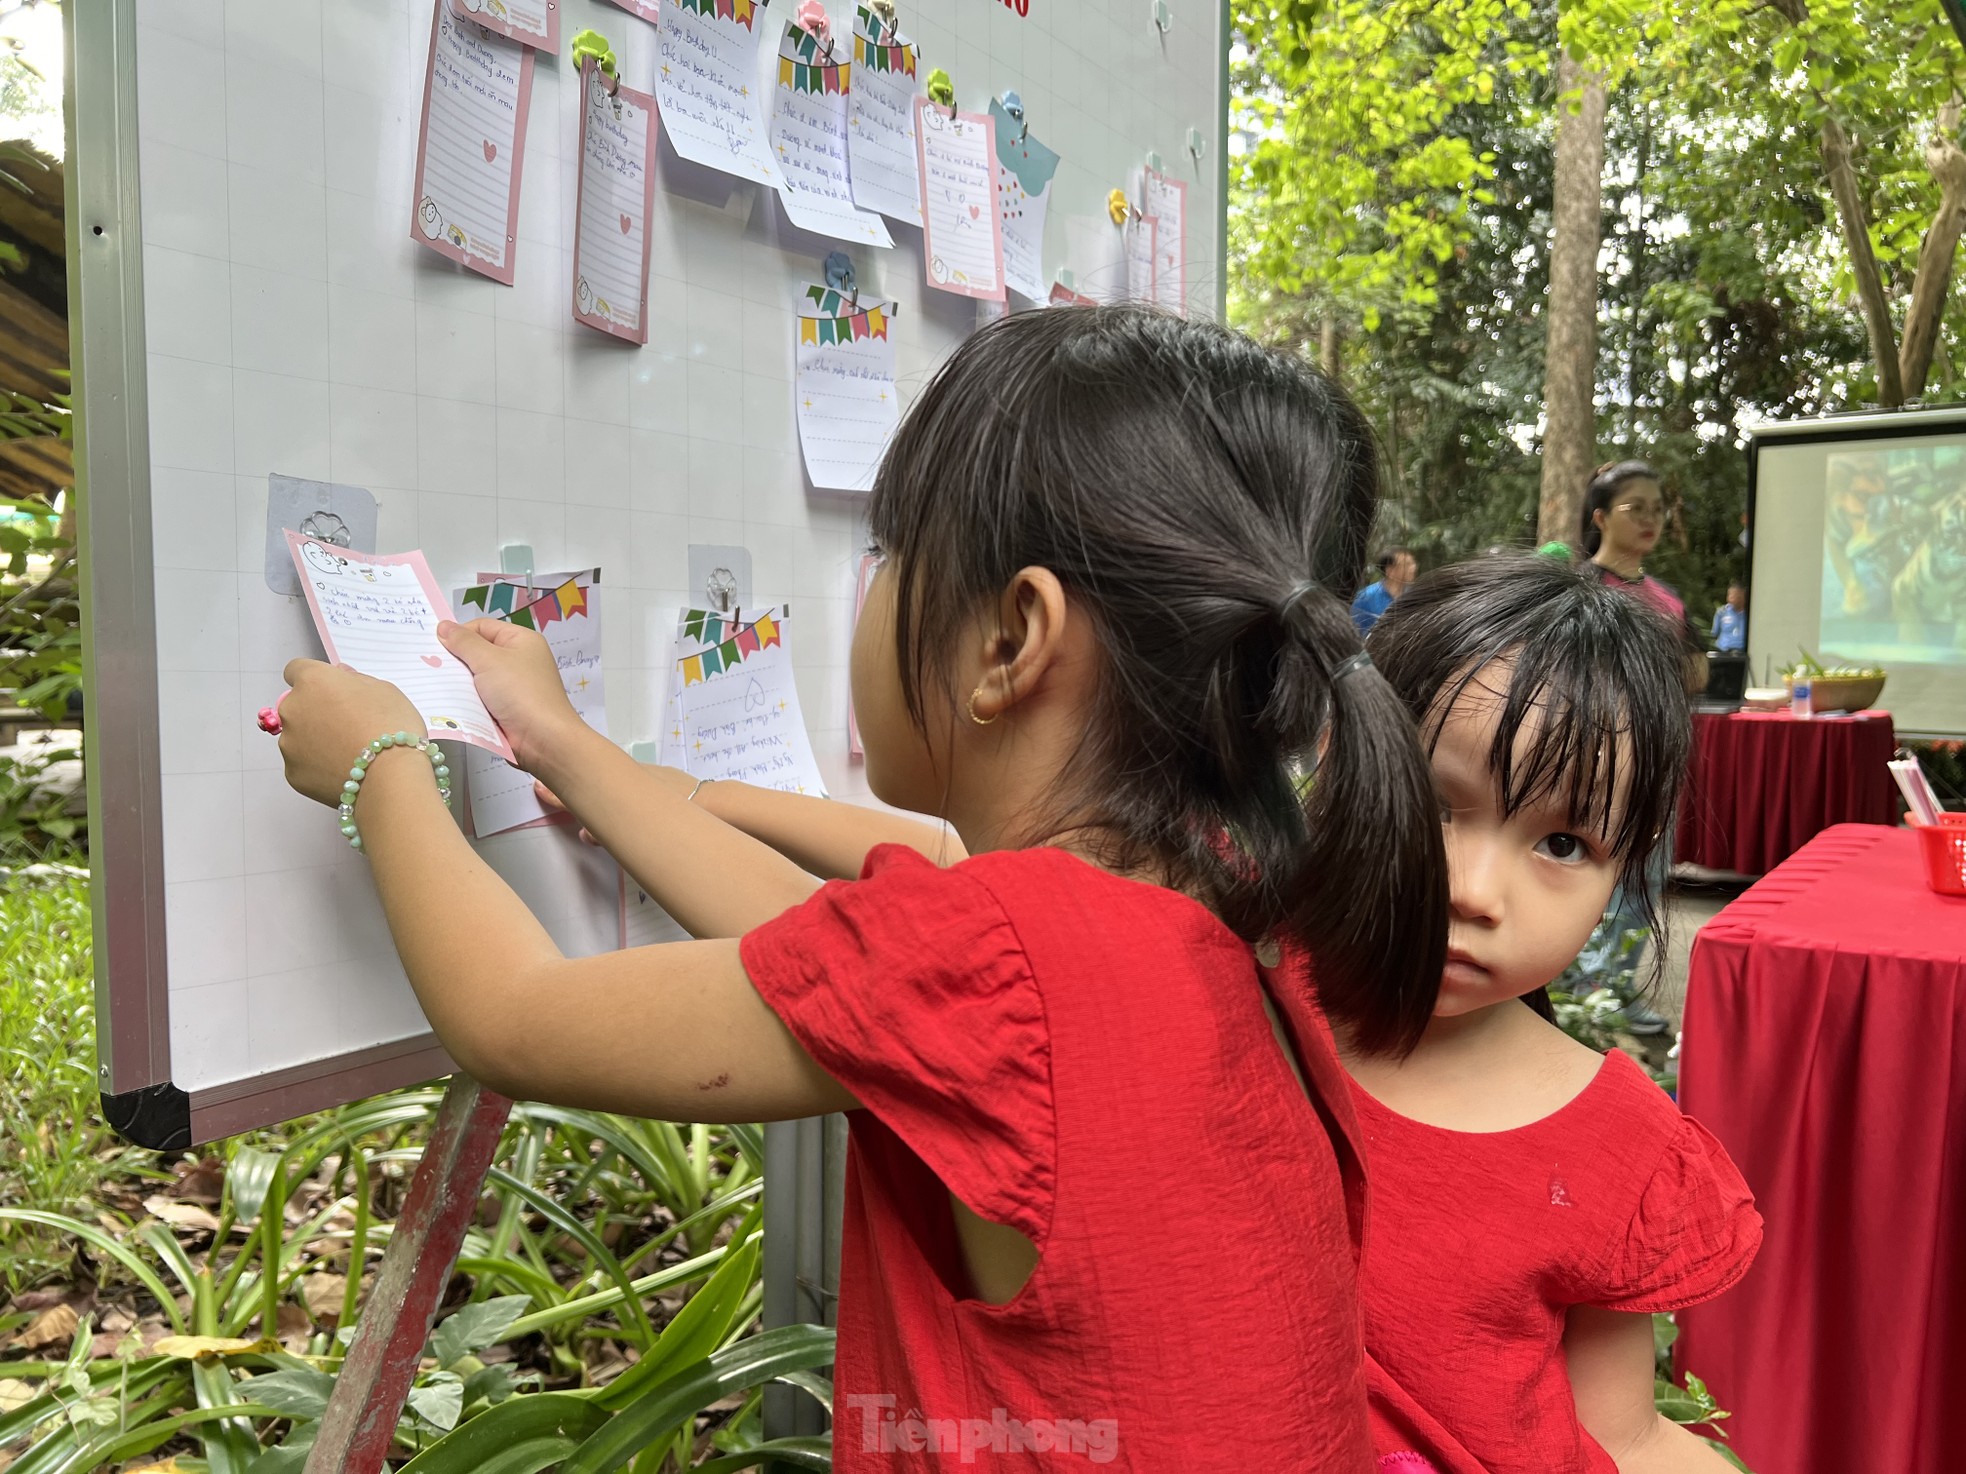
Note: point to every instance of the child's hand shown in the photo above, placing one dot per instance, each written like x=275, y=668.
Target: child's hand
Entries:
x=329, y=716
x=518, y=680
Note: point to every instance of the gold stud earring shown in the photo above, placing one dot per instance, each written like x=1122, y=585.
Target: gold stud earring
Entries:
x=980, y=721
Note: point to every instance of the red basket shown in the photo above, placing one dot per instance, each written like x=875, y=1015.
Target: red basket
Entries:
x=1945, y=854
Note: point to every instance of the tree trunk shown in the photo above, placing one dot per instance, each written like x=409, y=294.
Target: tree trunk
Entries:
x=1947, y=162
x=1876, y=307
x=1570, y=360
x=1327, y=347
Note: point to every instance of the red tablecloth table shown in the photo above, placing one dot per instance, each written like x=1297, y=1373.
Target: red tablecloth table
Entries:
x=1825, y=1046
x=1763, y=785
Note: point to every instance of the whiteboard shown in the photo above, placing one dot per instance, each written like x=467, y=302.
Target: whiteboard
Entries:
x=248, y=302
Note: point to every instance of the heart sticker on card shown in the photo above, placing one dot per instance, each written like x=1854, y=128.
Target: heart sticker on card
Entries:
x=491, y=150
x=974, y=211
x=435, y=662
x=626, y=224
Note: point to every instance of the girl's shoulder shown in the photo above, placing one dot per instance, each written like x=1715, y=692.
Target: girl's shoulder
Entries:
x=1690, y=1229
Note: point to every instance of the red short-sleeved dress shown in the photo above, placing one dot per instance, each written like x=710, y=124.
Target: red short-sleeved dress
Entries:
x=1087, y=1059
x=1481, y=1242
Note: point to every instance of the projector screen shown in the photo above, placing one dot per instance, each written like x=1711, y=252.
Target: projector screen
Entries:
x=1858, y=530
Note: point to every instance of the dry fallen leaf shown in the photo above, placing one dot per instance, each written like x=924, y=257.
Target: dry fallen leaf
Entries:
x=53, y=1327
x=181, y=1215
x=323, y=1292
x=14, y=1392
x=209, y=1348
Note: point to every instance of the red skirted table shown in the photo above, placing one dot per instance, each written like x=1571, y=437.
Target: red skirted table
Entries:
x=1825, y=1046
x=1763, y=784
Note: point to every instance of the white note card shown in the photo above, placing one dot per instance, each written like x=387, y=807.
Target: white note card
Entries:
x=534, y=22
x=881, y=124
x=471, y=146
x=848, y=406
x=1167, y=201
x=1141, y=233
x=962, y=247
x=737, y=707
x=809, y=142
x=378, y=613
x=616, y=197
x=706, y=84
x=1024, y=171
x=566, y=609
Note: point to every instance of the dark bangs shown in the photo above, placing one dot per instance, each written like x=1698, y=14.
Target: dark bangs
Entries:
x=1595, y=677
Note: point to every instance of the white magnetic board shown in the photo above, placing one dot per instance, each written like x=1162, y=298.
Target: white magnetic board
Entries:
x=249, y=302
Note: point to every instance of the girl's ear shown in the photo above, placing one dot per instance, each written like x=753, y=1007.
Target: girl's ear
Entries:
x=1024, y=643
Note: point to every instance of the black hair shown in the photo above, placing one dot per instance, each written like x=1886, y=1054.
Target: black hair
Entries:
x=1392, y=556
x=1207, y=502
x=1604, y=485
x=1600, y=669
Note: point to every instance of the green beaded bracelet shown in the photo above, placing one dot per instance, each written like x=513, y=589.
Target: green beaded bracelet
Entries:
x=361, y=770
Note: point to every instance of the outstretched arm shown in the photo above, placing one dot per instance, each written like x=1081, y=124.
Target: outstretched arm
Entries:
x=675, y=1032
x=1609, y=1353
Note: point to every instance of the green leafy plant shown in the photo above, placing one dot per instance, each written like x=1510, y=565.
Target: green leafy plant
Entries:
x=1689, y=1403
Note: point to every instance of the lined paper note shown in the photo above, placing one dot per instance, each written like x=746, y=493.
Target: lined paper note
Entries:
x=535, y=22
x=617, y=195
x=470, y=149
x=501, y=795
x=1024, y=171
x=379, y=613
x=848, y=406
x=1167, y=201
x=739, y=712
x=643, y=922
x=706, y=79
x=884, y=170
x=1141, y=233
x=809, y=142
x=962, y=246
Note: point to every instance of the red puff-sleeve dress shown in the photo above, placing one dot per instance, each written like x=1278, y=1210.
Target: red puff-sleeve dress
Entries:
x=1088, y=1060
x=1481, y=1242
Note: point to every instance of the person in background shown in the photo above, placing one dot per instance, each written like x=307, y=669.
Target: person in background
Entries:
x=1730, y=622
x=1397, y=568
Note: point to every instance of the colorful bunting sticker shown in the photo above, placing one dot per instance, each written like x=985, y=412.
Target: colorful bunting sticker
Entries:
x=563, y=602
x=741, y=11
x=822, y=331
x=820, y=79
x=883, y=58
x=728, y=643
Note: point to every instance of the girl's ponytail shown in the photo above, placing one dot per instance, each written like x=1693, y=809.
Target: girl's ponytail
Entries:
x=1370, y=893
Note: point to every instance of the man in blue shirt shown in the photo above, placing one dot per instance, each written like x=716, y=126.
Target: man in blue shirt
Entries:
x=1397, y=569
x=1730, y=622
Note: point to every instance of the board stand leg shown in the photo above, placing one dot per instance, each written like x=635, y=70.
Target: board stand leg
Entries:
x=805, y=1195
x=361, y=1416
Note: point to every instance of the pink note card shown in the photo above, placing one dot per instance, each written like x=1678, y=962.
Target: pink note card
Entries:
x=648, y=10
x=1142, y=234
x=616, y=198
x=532, y=22
x=962, y=244
x=1167, y=201
x=470, y=149
x=378, y=613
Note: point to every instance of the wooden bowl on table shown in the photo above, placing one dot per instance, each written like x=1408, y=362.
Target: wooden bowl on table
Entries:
x=1841, y=693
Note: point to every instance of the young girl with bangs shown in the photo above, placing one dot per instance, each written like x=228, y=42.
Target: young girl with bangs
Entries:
x=1534, y=1202
x=1105, y=648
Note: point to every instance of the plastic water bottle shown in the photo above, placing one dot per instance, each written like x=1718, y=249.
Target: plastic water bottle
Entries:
x=1801, y=699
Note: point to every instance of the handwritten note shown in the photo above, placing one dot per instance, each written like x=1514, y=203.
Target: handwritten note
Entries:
x=617, y=195
x=962, y=245
x=470, y=148
x=847, y=403
x=379, y=612
x=1024, y=171
x=1141, y=233
x=738, y=708
x=881, y=122
x=1167, y=201
x=566, y=609
x=706, y=85
x=809, y=140
x=534, y=22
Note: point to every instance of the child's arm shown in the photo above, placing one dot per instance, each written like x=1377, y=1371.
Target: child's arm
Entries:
x=1609, y=1353
x=675, y=1032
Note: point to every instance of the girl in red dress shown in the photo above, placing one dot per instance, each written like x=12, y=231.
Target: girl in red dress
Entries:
x=1533, y=1202
x=1105, y=637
